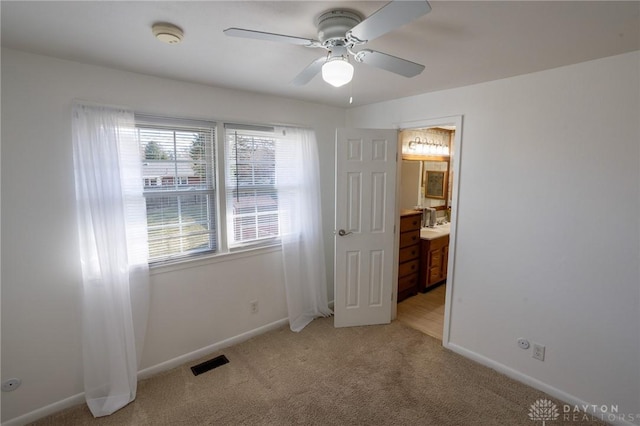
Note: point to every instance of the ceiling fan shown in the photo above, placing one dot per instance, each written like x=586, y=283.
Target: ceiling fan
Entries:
x=342, y=30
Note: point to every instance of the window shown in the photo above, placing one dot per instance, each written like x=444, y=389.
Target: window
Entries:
x=179, y=186
x=251, y=195
x=183, y=197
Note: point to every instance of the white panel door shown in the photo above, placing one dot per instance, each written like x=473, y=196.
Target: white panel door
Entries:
x=365, y=216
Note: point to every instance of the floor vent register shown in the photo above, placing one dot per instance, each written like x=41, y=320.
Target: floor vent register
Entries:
x=209, y=365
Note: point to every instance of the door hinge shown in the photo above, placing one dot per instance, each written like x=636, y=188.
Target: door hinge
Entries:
x=396, y=156
x=394, y=229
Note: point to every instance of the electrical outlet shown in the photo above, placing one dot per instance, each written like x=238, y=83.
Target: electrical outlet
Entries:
x=254, y=306
x=523, y=343
x=538, y=352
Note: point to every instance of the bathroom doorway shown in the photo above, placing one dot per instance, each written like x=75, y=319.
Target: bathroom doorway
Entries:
x=429, y=179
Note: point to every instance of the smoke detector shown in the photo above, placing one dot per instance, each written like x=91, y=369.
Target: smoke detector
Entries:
x=167, y=33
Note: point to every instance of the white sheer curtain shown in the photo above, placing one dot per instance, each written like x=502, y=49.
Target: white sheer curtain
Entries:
x=298, y=183
x=113, y=253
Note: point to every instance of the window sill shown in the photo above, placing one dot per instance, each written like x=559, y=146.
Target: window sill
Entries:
x=200, y=261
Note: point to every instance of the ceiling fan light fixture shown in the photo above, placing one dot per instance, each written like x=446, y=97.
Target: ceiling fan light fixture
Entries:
x=337, y=71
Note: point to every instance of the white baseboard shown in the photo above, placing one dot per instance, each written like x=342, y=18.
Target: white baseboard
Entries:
x=541, y=386
x=175, y=362
x=39, y=413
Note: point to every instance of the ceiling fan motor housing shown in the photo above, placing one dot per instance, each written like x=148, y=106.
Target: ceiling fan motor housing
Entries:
x=334, y=24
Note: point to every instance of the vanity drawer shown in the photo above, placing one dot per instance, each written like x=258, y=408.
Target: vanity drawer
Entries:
x=409, y=223
x=408, y=238
x=409, y=268
x=409, y=253
x=408, y=282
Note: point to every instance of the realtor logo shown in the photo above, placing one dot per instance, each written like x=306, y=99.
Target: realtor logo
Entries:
x=543, y=410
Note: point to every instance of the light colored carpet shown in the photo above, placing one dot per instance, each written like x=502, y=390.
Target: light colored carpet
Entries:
x=376, y=375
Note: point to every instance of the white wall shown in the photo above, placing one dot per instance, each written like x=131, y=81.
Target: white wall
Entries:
x=409, y=184
x=548, y=241
x=190, y=308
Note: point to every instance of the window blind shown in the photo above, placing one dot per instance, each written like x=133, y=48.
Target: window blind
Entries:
x=178, y=158
x=251, y=195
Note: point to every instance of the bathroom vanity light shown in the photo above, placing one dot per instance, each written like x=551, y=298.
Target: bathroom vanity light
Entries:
x=426, y=147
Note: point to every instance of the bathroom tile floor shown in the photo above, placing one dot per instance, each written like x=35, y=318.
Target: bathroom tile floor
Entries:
x=424, y=311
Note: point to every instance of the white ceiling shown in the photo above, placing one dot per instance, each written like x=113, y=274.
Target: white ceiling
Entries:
x=460, y=43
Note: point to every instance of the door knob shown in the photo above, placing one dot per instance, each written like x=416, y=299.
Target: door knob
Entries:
x=342, y=232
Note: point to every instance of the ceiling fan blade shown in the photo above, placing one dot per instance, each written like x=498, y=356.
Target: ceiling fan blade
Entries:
x=259, y=35
x=389, y=63
x=309, y=72
x=393, y=15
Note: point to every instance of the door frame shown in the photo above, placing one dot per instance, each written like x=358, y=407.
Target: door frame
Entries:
x=454, y=120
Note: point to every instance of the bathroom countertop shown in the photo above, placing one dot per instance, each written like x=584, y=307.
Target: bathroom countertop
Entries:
x=436, y=232
x=406, y=212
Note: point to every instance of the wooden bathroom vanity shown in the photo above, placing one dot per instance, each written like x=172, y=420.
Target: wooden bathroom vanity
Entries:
x=434, y=257
x=423, y=256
